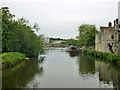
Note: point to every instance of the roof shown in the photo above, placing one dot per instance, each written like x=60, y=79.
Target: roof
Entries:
x=105, y=28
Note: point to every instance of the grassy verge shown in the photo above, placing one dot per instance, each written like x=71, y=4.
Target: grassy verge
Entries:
x=105, y=55
x=12, y=58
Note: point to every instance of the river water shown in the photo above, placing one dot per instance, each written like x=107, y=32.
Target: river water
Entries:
x=59, y=69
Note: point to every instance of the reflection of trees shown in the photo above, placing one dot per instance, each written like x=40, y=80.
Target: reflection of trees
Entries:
x=108, y=72
x=21, y=76
x=86, y=64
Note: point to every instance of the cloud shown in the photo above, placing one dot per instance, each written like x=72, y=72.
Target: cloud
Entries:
x=56, y=16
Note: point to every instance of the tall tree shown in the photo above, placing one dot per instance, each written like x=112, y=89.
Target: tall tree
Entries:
x=7, y=26
x=87, y=34
x=18, y=35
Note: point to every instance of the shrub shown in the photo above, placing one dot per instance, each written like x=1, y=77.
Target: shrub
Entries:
x=12, y=58
x=100, y=54
x=105, y=55
x=113, y=57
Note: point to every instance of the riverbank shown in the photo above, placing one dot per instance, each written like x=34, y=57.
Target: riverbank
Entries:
x=11, y=59
x=112, y=57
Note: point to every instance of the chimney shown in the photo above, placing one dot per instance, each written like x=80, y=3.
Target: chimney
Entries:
x=116, y=21
x=109, y=24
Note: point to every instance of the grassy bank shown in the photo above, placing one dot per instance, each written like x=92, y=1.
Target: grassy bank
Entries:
x=12, y=58
x=112, y=57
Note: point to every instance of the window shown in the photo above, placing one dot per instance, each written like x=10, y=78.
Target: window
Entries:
x=112, y=36
x=119, y=25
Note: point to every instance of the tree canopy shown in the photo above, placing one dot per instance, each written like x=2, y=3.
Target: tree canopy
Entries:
x=18, y=35
x=87, y=35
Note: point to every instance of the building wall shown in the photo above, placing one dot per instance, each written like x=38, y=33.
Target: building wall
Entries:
x=104, y=38
x=57, y=41
x=119, y=24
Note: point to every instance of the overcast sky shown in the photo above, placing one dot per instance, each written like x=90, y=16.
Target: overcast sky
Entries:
x=61, y=18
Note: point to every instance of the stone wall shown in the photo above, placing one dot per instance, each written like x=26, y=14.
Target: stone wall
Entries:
x=108, y=40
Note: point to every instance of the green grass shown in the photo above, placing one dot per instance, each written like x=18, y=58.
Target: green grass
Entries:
x=112, y=57
x=12, y=58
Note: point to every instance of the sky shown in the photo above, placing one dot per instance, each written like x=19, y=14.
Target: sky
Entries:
x=61, y=18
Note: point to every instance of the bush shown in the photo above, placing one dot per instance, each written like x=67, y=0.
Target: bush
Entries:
x=105, y=55
x=113, y=57
x=100, y=54
x=12, y=58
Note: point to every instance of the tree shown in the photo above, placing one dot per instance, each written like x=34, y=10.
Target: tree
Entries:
x=7, y=29
x=87, y=34
x=18, y=35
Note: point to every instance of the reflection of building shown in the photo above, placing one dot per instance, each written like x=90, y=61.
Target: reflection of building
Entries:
x=107, y=73
x=108, y=39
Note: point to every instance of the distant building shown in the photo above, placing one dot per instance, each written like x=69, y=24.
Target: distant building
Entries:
x=46, y=40
x=57, y=41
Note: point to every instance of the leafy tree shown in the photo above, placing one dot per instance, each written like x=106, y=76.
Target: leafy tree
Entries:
x=7, y=29
x=71, y=42
x=87, y=35
x=18, y=35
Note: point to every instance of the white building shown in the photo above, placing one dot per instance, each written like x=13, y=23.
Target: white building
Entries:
x=57, y=41
x=46, y=40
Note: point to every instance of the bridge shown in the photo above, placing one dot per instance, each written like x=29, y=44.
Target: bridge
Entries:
x=55, y=45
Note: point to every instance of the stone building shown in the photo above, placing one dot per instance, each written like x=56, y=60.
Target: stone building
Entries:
x=108, y=39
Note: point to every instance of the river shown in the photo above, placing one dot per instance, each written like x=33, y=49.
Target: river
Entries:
x=59, y=69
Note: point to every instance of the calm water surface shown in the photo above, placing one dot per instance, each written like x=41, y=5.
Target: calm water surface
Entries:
x=61, y=70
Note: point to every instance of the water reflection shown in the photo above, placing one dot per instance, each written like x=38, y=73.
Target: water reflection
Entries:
x=73, y=54
x=108, y=73
x=21, y=76
x=86, y=64
x=63, y=71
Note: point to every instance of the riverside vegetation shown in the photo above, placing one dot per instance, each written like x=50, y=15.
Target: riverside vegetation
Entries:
x=112, y=57
x=18, y=36
x=12, y=58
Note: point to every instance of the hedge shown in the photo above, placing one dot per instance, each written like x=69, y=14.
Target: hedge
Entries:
x=105, y=55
